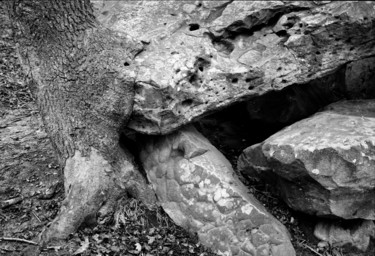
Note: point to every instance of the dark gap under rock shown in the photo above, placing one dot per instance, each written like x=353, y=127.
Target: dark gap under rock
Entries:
x=243, y=124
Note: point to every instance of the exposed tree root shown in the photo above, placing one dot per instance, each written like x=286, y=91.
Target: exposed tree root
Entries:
x=93, y=186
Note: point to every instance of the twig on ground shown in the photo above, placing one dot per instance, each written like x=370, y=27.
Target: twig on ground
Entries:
x=10, y=202
x=36, y=216
x=56, y=248
x=14, y=239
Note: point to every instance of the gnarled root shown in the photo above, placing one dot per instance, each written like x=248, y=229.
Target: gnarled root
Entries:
x=93, y=185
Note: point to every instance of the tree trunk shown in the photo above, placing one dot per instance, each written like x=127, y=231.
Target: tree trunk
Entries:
x=85, y=98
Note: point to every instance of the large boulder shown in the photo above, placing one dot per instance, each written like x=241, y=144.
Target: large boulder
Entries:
x=197, y=187
x=199, y=56
x=323, y=165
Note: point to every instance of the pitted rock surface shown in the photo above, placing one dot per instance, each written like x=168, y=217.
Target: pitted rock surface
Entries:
x=199, y=56
x=323, y=165
x=197, y=187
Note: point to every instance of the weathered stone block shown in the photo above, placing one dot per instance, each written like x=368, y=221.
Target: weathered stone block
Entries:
x=210, y=200
x=323, y=165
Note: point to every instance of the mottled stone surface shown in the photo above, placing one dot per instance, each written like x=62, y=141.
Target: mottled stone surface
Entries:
x=322, y=165
x=197, y=187
x=356, y=234
x=199, y=56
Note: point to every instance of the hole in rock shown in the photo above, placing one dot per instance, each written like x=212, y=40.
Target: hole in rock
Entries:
x=282, y=33
x=224, y=46
x=288, y=25
x=187, y=102
x=193, y=27
x=249, y=79
x=251, y=87
x=202, y=63
x=193, y=78
x=235, y=80
x=126, y=64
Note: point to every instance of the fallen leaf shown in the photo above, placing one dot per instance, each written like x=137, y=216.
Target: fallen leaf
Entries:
x=151, y=239
x=138, y=247
x=84, y=246
x=115, y=248
x=96, y=238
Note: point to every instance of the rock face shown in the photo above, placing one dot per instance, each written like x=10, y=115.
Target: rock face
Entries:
x=322, y=165
x=356, y=234
x=197, y=187
x=352, y=81
x=199, y=56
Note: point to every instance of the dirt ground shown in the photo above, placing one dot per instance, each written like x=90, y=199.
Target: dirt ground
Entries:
x=31, y=190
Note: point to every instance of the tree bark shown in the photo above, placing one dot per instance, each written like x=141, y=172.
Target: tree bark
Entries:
x=85, y=98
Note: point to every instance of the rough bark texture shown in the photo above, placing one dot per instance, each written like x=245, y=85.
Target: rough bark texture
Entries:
x=322, y=165
x=199, y=190
x=23, y=142
x=85, y=98
x=200, y=56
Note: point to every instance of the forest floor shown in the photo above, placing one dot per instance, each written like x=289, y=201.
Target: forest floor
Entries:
x=31, y=189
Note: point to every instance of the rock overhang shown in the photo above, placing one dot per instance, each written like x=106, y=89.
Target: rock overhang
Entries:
x=201, y=56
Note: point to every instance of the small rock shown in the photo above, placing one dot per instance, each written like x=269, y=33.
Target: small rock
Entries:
x=322, y=244
x=354, y=233
x=49, y=192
